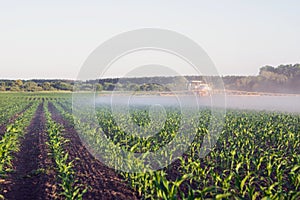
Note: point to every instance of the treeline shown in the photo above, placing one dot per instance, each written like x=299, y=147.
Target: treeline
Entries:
x=36, y=85
x=281, y=79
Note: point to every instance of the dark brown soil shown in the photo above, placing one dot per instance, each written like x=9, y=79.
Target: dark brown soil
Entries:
x=12, y=119
x=33, y=176
x=104, y=182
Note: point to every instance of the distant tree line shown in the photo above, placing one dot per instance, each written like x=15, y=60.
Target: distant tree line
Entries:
x=36, y=85
x=281, y=79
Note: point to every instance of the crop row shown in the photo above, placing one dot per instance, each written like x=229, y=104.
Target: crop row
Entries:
x=9, y=143
x=68, y=183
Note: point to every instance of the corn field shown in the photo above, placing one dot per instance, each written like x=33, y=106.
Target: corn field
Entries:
x=256, y=156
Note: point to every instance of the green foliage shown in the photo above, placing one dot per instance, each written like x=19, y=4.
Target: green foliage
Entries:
x=47, y=86
x=9, y=142
x=70, y=189
x=281, y=79
x=257, y=155
x=10, y=106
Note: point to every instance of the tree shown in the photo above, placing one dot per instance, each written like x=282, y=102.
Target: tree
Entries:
x=108, y=86
x=98, y=87
x=2, y=86
x=15, y=88
x=266, y=68
x=133, y=87
x=47, y=86
x=30, y=86
x=19, y=83
x=63, y=86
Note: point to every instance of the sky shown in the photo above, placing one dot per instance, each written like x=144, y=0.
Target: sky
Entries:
x=52, y=39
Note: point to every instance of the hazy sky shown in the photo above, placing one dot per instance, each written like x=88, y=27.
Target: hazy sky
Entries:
x=52, y=39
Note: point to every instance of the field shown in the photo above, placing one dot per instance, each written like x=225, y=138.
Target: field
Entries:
x=47, y=153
